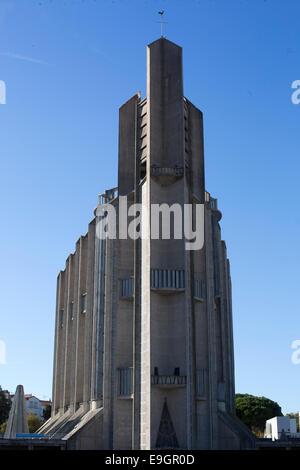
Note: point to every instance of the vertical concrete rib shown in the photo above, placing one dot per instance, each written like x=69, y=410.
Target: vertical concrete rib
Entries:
x=73, y=346
x=78, y=329
x=55, y=392
x=231, y=344
x=89, y=314
x=136, y=308
x=60, y=343
x=210, y=309
x=81, y=321
x=223, y=317
x=109, y=346
x=68, y=327
x=195, y=184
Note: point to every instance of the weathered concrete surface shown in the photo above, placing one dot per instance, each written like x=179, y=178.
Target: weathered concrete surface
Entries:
x=133, y=357
x=17, y=420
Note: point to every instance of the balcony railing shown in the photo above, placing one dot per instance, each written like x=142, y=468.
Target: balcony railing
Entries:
x=168, y=380
x=167, y=171
x=213, y=204
x=107, y=196
x=167, y=279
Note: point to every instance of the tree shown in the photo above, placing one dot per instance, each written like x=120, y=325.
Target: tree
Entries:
x=5, y=405
x=255, y=411
x=47, y=412
x=3, y=427
x=33, y=422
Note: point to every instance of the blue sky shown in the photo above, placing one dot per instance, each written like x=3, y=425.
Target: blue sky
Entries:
x=68, y=66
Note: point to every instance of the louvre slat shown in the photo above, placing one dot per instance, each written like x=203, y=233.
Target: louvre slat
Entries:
x=125, y=382
x=167, y=279
x=126, y=288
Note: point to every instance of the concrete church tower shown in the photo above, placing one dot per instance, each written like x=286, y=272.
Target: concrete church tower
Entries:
x=144, y=344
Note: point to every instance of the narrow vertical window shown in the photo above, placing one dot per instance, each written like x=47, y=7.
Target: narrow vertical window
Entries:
x=200, y=382
x=61, y=317
x=83, y=303
x=71, y=310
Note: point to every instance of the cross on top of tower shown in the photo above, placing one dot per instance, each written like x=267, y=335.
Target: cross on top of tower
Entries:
x=161, y=22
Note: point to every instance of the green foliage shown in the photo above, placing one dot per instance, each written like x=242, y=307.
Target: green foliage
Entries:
x=5, y=404
x=255, y=411
x=3, y=427
x=47, y=412
x=33, y=423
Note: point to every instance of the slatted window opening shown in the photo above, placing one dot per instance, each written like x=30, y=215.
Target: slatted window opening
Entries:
x=142, y=130
x=221, y=391
x=126, y=288
x=61, y=317
x=83, y=303
x=167, y=279
x=71, y=310
x=199, y=289
x=200, y=383
x=125, y=382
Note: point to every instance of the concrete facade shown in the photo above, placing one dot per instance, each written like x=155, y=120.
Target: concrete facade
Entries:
x=17, y=419
x=144, y=341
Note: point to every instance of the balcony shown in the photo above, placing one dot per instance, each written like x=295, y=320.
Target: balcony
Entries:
x=169, y=171
x=168, y=381
x=166, y=175
x=167, y=281
x=107, y=196
x=212, y=203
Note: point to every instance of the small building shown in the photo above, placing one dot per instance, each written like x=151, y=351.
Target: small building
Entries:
x=281, y=427
x=35, y=406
